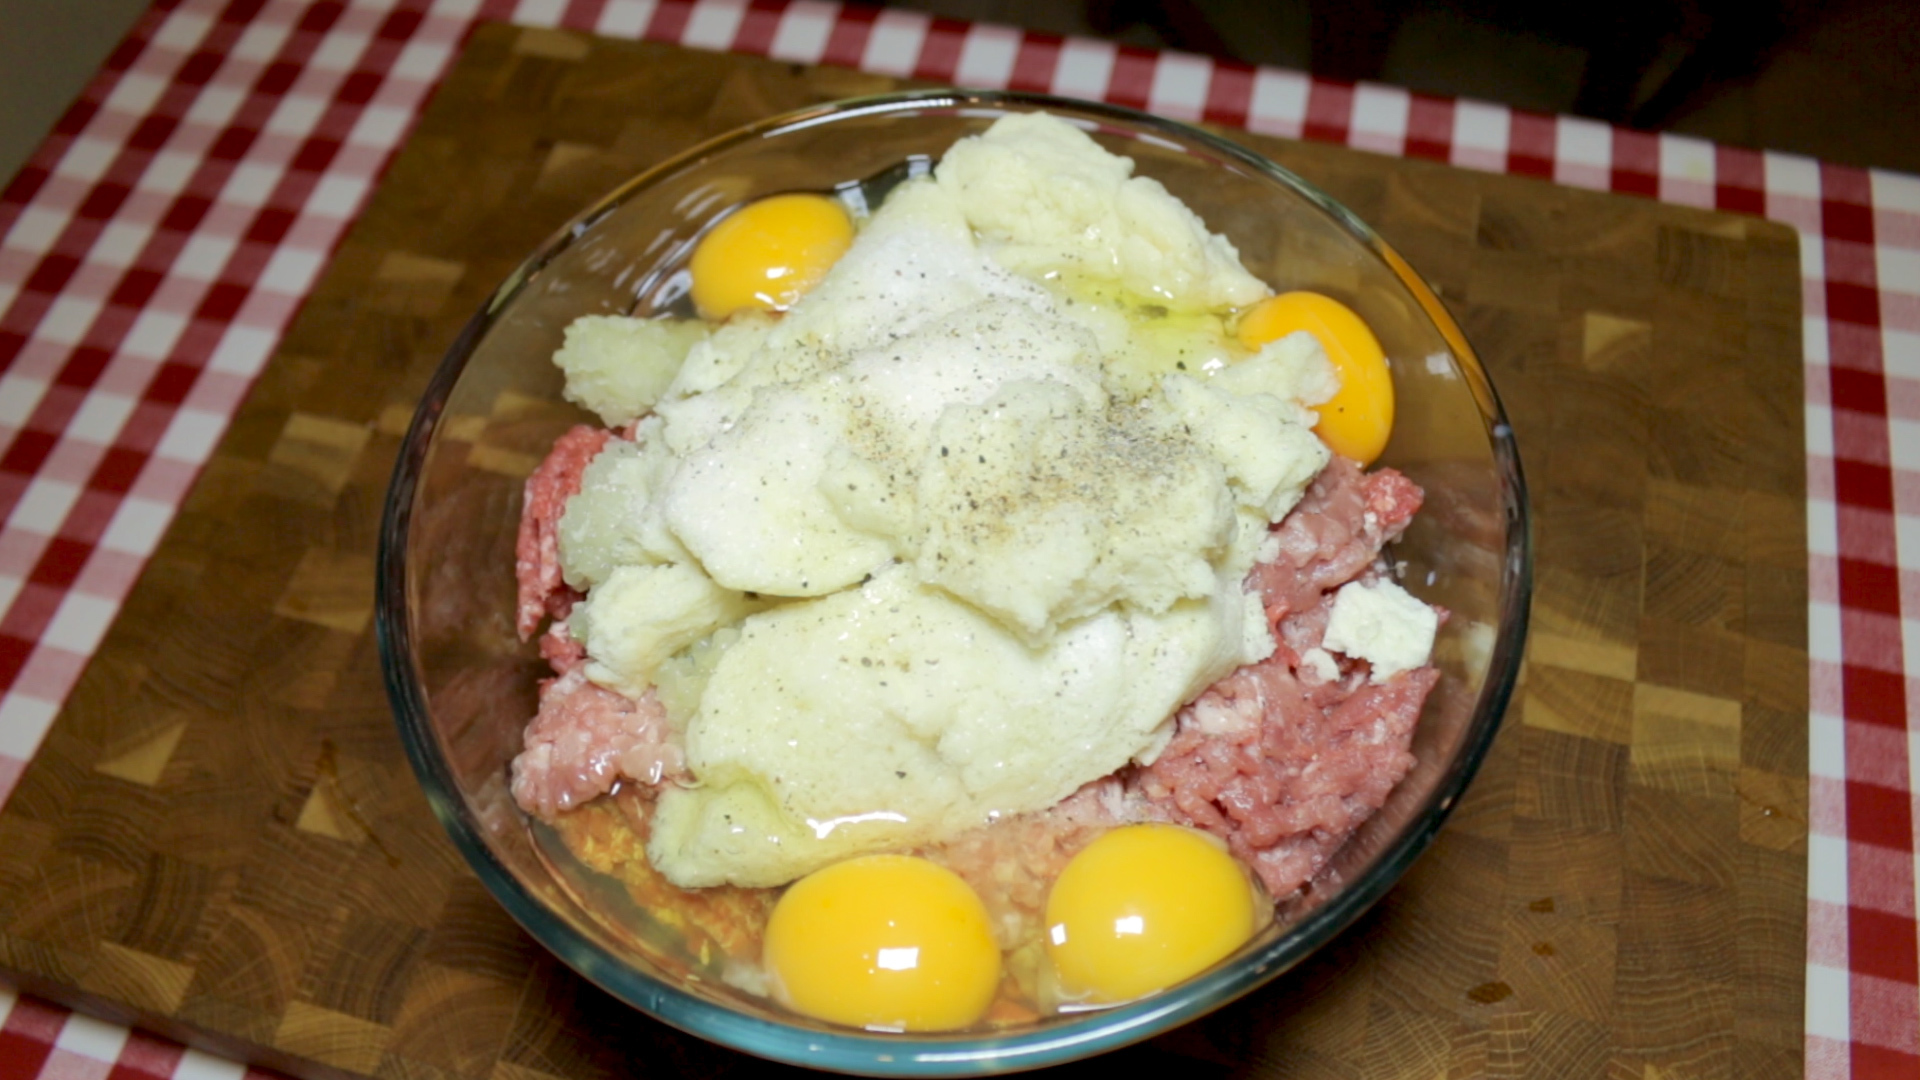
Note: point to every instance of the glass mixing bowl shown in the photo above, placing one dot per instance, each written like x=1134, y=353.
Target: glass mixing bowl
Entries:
x=463, y=684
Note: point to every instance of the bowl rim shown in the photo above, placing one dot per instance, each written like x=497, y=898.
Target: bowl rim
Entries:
x=882, y=1054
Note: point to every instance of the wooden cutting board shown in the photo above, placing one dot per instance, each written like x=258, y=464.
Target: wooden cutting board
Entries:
x=221, y=840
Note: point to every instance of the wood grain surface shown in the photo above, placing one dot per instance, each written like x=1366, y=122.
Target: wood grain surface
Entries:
x=221, y=839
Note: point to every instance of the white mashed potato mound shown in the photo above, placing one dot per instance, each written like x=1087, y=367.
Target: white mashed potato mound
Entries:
x=894, y=711
x=1047, y=200
x=618, y=367
x=621, y=525
x=959, y=532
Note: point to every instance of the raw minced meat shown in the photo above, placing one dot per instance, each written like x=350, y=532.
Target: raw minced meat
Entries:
x=1277, y=759
x=585, y=739
x=1011, y=863
x=536, y=553
x=1334, y=534
x=1283, y=781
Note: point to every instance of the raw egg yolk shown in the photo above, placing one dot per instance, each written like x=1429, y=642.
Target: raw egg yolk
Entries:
x=1356, y=422
x=768, y=253
x=890, y=942
x=1142, y=908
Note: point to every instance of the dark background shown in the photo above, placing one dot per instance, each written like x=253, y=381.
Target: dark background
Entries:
x=1836, y=80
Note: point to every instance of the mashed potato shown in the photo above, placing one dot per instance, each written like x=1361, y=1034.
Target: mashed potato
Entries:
x=956, y=535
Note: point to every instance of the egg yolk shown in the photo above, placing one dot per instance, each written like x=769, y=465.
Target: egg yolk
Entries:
x=1142, y=908
x=768, y=254
x=1356, y=422
x=890, y=942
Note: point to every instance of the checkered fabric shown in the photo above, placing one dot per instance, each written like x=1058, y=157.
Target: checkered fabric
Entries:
x=157, y=245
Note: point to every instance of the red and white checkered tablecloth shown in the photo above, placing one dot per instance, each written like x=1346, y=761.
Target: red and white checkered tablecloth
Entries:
x=157, y=245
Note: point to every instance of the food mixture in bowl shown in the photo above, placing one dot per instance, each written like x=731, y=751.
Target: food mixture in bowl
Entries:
x=973, y=609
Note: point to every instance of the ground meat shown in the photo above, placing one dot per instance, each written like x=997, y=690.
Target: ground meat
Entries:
x=536, y=554
x=1334, y=534
x=585, y=739
x=1012, y=863
x=559, y=649
x=1285, y=758
x=1282, y=780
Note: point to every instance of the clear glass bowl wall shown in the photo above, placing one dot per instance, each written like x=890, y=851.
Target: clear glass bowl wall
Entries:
x=463, y=684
